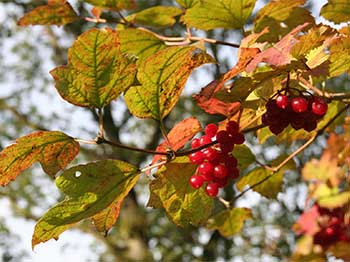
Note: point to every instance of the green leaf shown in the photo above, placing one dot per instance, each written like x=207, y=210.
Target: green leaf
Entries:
x=336, y=11
x=157, y=16
x=229, y=221
x=334, y=200
x=97, y=72
x=163, y=77
x=114, y=4
x=89, y=189
x=56, y=12
x=228, y=14
x=339, y=57
x=244, y=156
x=187, y=3
x=281, y=16
x=139, y=42
x=171, y=190
x=270, y=183
x=54, y=150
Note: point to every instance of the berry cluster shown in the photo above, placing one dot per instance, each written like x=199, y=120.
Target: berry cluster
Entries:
x=298, y=111
x=216, y=165
x=334, y=226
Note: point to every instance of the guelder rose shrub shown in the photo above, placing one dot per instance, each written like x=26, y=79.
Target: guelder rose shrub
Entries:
x=277, y=91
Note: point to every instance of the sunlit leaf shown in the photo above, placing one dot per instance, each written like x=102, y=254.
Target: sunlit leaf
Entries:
x=307, y=222
x=113, y=4
x=336, y=11
x=54, y=150
x=171, y=190
x=163, y=77
x=89, y=189
x=244, y=156
x=340, y=250
x=97, y=72
x=229, y=221
x=334, y=200
x=281, y=16
x=268, y=184
x=187, y=3
x=339, y=57
x=229, y=14
x=105, y=219
x=56, y=12
x=139, y=42
x=157, y=16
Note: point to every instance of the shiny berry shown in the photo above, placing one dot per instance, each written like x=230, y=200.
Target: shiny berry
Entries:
x=319, y=106
x=299, y=104
x=195, y=143
x=197, y=157
x=232, y=128
x=220, y=171
x=282, y=101
x=210, y=154
x=204, y=140
x=223, y=137
x=212, y=189
x=238, y=139
x=205, y=168
x=196, y=181
x=211, y=129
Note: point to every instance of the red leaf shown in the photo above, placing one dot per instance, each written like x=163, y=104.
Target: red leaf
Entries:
x=307, y=222
x=280, y=53
x=181, y=133
x=212, y=105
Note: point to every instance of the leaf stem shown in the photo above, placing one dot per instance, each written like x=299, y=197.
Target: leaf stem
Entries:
x=147, y=168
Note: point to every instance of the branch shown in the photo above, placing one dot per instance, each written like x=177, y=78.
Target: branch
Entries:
x=296, y=152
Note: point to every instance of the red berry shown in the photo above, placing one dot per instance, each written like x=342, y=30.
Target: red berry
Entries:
x=238, y=139
x=232, y=128
x=222, y=182
x=233, y=172
x=276, y=129
x=195, y=143
x=230, y=161
x=282, y=101
x=227, y=147
x=205, y=168
x=196, y=181
x=210, y=154
x=212, y=189
x=299, y=104
x=197, y=157
x=223, y=137
x=211, y=129
x=220, y=171
x=204, y=140
x=319, y=106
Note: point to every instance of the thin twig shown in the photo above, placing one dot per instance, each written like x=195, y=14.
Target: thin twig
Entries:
x=147, y=168
x=101, y=132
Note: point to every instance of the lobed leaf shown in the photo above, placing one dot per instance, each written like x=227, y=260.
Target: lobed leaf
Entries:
x=187, y=3
x=56, y=12
x=157, y=16
x=230, y=221
x=54, y=150
x=113, y=4
x=228, y=14
x=336, y=11
x=163, y=77
x=97, y=71
x=172, y=191
x=90, y=189
x=139, y=42
x=339, y=57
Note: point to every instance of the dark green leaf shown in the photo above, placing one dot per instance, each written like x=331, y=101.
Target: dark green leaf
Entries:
x=229, y=14
x=230, y=221
x=171, y=190
x=244, y=156
x=89, y=189
x=54, y=150
x=336, y=11
x=163, y=77
x=56, y=12
x=97, y=71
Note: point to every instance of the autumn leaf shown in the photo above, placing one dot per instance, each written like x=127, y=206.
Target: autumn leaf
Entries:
x=339, y=57
x=113, y=4
x=54, y=150
x=97, y=71
x=307, y=222
x=179, y=135
x=171, y=190
x=187, y=3
x=229, y=14
x=229, y=221
x=90, y=189
x=56, y=12
x=244, y=156
x=336, y=11
x=163, y=76
x=105, y=219
x=157, y=16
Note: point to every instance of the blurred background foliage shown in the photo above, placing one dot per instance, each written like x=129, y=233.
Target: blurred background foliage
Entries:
x=28, y=101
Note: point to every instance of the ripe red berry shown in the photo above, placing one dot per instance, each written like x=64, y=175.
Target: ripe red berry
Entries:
x=212, y=189
x=195, y=143
x=230, y=161
x=233, y=172
x=210, y=154
x=232, y=128
x=299, y=104
x=205, y=168
x=211, y=129
x=238, y=139
x=196, y=181
x=197, y=157
x=227, y=147
x=282, y=101
x=204, y=140
x=319, y=106
x=220, y=171
x=223, y=137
